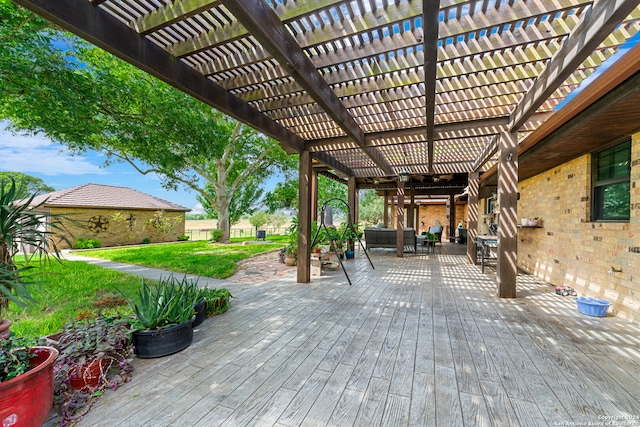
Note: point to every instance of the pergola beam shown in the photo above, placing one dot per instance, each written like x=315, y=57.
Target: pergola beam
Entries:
x=595, y=27
x=430, y=13
x=266, y=27
x=102, y=29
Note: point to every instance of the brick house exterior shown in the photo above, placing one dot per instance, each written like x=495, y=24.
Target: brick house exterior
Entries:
x=114, y=215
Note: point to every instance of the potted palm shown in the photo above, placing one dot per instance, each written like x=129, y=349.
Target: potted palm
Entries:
x=163, y=317
x=26, y=395
x=22, y=225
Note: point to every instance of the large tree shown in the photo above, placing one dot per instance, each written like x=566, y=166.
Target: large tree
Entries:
x=26, y=185
x=86, y=98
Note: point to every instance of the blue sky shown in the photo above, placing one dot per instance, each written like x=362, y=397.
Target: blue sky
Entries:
x=51, y=162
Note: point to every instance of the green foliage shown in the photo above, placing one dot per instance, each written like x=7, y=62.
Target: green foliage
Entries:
x=217, y=300
x=259, y=219
x=216, y=235
x=146, y=241
x=103, y=340
x=283, y=196
x=199, y=258
x=91, y=287
x=183, y=238
x=21, y=225
x=371, y=210
x=105, y=104
x=87, y=243
x=25, y=184
x=14, y=357
x=170, y=302
x=194, y=217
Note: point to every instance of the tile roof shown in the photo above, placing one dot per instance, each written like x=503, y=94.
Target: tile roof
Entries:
x=105, y=197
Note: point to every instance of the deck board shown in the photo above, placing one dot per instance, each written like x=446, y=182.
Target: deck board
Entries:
x=419, y=340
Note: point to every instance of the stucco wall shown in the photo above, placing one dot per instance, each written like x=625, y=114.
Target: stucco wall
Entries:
x=571, y=250
x=120, y=227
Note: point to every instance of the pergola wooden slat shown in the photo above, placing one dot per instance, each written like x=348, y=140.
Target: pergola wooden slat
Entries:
x=365, y=89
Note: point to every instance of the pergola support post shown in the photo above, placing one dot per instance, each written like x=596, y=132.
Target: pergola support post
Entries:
x=314, y=196
x=386, y=209
x=400, y=221
x=472, y=213
x=304, y=217
x=412, y=208
x=352, y=195
x=507, y=263
x=451, y=217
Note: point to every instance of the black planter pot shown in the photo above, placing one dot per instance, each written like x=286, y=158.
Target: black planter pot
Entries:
x=200, y=312
x=162, y=342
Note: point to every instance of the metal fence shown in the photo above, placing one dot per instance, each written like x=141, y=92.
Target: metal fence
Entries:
x=205, y=233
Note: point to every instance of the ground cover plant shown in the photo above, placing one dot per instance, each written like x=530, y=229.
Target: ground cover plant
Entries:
x=71, y=290
x=200, y=258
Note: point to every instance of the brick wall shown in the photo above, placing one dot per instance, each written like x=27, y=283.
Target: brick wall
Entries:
x=120, y=227
x=430, y=213
x=571, y=250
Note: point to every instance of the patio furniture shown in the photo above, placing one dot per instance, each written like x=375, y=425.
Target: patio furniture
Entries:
x=386, y=238
x=486, y=250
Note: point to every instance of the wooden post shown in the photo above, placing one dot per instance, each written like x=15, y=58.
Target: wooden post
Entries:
x=314, y=196
x=507, y=265
x=304, y=217
x=472, y=223
x=451, y=217
x=352, y=195
x=400, y=221
x=411, y=210
x=386, y=209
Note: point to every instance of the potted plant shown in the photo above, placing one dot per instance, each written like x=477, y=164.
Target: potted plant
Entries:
x=26, y=382
x=163, y=317
x=217, y=301
x=94, y=355
x=291, y=254
x=21, y=225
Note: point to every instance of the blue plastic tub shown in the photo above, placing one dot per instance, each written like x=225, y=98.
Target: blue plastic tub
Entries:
x=592, y=306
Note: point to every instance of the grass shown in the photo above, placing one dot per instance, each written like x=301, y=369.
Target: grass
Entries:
x=201, y=258
x=67, y=291
x=70, y=290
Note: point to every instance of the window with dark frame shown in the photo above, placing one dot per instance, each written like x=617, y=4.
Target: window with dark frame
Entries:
x=611, y=190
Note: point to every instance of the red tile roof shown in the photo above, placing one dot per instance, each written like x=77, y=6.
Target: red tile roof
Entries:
x=105, y=197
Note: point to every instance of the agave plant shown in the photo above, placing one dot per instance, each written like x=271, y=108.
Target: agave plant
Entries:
x=22, y=224
x=169, y=302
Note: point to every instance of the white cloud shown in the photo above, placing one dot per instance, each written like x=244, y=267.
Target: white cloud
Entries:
x=197, y=209
x=34, y=154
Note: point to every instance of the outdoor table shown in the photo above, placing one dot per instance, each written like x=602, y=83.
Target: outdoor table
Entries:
x=486, y=246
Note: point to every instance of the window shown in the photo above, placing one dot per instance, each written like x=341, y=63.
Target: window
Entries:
x=611, y=183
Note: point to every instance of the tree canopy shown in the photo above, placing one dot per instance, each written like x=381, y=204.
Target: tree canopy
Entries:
x=26, y=185
x=86, y=98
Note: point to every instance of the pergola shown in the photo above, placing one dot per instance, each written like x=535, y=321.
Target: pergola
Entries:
x=367, y=90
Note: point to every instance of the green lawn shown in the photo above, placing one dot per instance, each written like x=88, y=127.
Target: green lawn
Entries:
x=200, y=258
x=69, y=290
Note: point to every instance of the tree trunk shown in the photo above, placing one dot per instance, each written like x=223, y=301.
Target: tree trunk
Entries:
x=223, y=219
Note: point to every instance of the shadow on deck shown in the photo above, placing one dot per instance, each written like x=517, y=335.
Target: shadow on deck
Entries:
x=419, y=340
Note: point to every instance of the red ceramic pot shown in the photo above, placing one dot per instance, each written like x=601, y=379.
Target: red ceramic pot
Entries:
x=26, y=400
x=87, y=376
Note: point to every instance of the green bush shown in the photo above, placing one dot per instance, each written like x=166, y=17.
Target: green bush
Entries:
x=86, y=243
x=183, y=238
x=216, y=235
x=146, y=241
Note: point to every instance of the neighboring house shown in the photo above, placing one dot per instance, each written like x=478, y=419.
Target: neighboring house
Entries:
x=114, y=215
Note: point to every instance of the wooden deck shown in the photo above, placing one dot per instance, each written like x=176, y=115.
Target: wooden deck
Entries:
x=417, y=341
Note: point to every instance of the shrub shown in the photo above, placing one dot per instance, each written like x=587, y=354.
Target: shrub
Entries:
x=88, y=243
x=216, y=235
x=146, y=241
x=183, y=238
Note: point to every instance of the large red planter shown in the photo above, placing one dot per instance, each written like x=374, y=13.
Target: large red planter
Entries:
x=26, y=400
